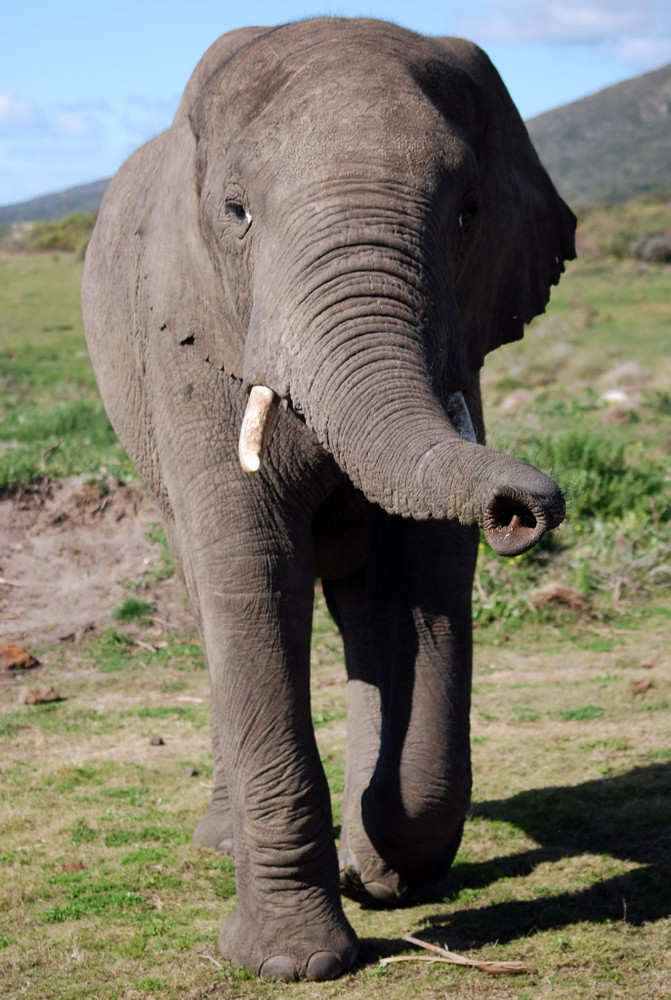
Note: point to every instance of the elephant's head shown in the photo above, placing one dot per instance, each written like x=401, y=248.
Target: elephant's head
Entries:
x=353, y=216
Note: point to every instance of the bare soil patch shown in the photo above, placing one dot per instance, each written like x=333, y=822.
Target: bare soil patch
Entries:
x=69, y=553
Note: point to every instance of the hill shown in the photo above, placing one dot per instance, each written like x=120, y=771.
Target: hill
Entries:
x=611, y=146
x=83, y=198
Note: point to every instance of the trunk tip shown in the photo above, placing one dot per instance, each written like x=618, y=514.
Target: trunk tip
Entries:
x=513, y=524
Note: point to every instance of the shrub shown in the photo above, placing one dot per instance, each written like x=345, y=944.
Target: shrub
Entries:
x=69, y=234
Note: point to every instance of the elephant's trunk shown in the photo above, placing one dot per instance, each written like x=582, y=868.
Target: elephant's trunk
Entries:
x=415, y=464
x=379, y=414
x=432, y=472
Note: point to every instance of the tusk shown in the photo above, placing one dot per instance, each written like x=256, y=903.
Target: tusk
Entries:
x=257, y=426
x=459, y=417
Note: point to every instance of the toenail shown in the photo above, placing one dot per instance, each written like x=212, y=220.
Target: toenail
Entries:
x=279, y=968
x=381, y=893
x=324, y=965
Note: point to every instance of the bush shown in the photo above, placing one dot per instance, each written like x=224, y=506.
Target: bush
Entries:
x=614, y=545
x=597, y=478
x=70, y=234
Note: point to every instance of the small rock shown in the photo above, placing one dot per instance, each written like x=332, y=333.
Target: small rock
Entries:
x=157, y=741
x=38, y=695
x=654, y=248
x=640, y=687
x=516, y=401
x=13, y=657
x=560, y=593
x=616, y=397
x=190, y=772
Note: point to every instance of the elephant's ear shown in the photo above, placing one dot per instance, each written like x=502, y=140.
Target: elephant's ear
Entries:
x=182, y=284
x=525, y=232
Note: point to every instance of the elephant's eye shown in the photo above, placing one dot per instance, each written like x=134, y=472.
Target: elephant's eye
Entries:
x=239, y=215
x=467, y=215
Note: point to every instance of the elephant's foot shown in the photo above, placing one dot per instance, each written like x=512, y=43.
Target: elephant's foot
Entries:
x=215, y=829
x=289, y=950
x=366, y=877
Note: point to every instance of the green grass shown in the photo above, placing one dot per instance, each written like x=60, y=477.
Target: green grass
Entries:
x=569, y=820
x=131, y=609
x=52, y=423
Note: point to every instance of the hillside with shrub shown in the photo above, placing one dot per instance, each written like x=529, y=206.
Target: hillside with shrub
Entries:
x=610, y=146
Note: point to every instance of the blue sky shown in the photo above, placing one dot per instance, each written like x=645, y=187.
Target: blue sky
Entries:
x=84, y=82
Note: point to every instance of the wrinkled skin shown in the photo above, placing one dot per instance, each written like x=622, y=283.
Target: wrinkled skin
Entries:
x=352, y=216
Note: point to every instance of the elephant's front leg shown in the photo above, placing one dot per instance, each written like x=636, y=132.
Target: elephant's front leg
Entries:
x=255, y=594
x=406, y=621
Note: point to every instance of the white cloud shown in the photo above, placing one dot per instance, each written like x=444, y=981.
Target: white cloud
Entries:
x=645, y=53
x=14, y=111
x=638, y=34
x=71, y=142
x=70, y=124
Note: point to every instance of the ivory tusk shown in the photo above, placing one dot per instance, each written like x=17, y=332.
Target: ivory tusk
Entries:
x=257, y=426
x=459, y=417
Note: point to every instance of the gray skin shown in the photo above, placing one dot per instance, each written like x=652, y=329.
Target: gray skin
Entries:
x=353, y=216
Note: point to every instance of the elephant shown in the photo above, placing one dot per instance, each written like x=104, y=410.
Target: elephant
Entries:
x=288, y=298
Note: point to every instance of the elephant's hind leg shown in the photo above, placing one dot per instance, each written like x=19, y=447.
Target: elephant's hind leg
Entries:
x=407, y=631
x=215, y=829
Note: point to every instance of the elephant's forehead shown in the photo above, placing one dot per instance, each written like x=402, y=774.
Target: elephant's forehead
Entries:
x=330, y=93
x=342, y=125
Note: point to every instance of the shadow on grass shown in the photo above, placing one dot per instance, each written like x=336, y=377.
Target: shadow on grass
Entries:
x=626, y=817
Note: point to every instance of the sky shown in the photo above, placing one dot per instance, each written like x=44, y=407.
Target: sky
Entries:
x=85, y=82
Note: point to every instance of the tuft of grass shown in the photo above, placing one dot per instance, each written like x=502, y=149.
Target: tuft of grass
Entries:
x=598, y=478
x=133, y=609
x=112, y=651
x=582, y=714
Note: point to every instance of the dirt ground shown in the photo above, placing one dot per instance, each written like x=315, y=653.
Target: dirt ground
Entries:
x=69, y=552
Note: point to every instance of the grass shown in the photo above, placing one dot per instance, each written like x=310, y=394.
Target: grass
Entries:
x=131, y=609
x=52, y=423
x=564, y=862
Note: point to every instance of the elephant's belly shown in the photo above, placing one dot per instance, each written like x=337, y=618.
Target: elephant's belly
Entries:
x=342, y=530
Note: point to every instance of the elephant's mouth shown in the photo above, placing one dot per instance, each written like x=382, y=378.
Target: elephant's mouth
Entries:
x=514, y=515
x=261, y=414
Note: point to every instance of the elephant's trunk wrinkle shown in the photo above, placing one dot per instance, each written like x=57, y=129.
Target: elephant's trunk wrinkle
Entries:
x=388, y=283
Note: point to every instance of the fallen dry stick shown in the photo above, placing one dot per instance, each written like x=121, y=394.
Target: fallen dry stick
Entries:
x=439, y=954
